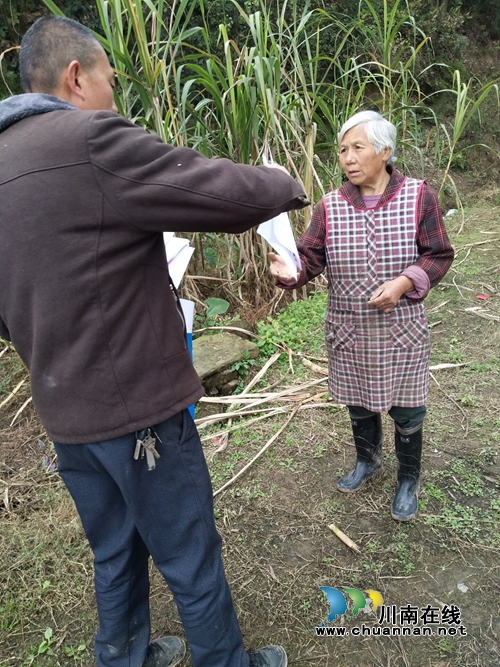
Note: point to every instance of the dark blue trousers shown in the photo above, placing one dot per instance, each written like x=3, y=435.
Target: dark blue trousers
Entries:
x=129, y=513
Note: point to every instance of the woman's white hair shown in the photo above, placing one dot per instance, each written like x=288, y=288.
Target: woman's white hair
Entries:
x=379, y=131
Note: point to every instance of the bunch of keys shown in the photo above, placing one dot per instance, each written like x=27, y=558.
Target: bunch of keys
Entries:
x=145, y=444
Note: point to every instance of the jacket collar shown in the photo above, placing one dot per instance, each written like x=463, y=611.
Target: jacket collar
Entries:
x=17, y=107
x=354, y=197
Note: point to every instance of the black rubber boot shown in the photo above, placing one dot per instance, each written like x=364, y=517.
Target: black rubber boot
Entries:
x=409, y=453
x=368, y=440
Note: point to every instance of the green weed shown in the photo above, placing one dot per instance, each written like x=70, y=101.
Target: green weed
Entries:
x=469, y=482
x=43, y=648
x=455, y=357
x=434, y=491
x=332, y=505
x=477, y=367
x=402, y=550
x=319, y=452
x=242, y=367
x=289, y=464
x=469, y=400
x=76, y=653
x=372, y=546
x=445, y=647
x=300, y=326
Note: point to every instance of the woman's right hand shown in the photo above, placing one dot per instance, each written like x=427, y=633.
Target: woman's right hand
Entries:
x=280, y=271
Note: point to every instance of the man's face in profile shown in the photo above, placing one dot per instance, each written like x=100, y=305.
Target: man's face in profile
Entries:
x=98, y=84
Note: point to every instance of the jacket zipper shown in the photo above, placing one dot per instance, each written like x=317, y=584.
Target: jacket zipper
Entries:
x=179, y=311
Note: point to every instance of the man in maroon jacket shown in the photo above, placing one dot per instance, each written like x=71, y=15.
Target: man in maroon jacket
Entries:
x=87, y=301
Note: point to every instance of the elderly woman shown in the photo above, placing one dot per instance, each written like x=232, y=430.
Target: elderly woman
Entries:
x=381, y=237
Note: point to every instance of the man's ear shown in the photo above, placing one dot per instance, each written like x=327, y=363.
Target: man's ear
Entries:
x=70, y=84
x=72, y=75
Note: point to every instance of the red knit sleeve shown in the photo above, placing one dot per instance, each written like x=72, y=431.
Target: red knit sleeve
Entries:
x=434, y=247
x=311, y=247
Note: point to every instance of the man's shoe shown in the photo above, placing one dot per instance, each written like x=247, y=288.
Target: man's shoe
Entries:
x=165, y=652
x=368, y=441
x=269, y=656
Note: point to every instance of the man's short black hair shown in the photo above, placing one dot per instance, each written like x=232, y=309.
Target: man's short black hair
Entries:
x=47, y=49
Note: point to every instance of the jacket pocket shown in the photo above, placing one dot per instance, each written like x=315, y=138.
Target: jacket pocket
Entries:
x=340, y=335
x=410, y=334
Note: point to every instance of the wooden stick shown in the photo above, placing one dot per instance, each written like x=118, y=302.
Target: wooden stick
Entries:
x=342, y=536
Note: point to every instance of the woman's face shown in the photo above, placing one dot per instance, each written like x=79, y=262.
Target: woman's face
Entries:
x=360, y=163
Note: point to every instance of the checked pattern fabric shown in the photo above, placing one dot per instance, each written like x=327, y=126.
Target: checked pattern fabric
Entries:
x=377, y=360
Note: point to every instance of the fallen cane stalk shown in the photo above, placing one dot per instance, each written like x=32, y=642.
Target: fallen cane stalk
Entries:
x=314, y=367
x=439, y=367
x=278, y=411
x=251, y=398
x=26, y=402
x=12, y=393
x=245, y=391
x=342, y=536
x=266, y=447
x=305, y=405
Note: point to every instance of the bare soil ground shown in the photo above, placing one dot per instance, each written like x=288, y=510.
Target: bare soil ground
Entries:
x=278, y=549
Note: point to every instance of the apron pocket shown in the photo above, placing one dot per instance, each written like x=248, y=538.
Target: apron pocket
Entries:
x=410, y=334
x=340, y=336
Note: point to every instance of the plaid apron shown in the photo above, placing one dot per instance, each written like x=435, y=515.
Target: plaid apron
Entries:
x=377, y=360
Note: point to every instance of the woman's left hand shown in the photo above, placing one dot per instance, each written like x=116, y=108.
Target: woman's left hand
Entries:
x=387, y=295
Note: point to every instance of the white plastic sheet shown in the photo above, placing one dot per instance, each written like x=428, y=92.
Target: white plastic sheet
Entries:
x=278, y=233
x=179, y=252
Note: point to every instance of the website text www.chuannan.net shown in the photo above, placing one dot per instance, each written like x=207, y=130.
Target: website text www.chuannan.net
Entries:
x=393, y=631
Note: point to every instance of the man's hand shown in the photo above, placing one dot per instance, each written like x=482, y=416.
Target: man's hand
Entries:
x=280, y=271
x=387, y=295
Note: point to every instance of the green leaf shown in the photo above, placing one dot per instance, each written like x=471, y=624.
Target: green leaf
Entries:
x=216, y=306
